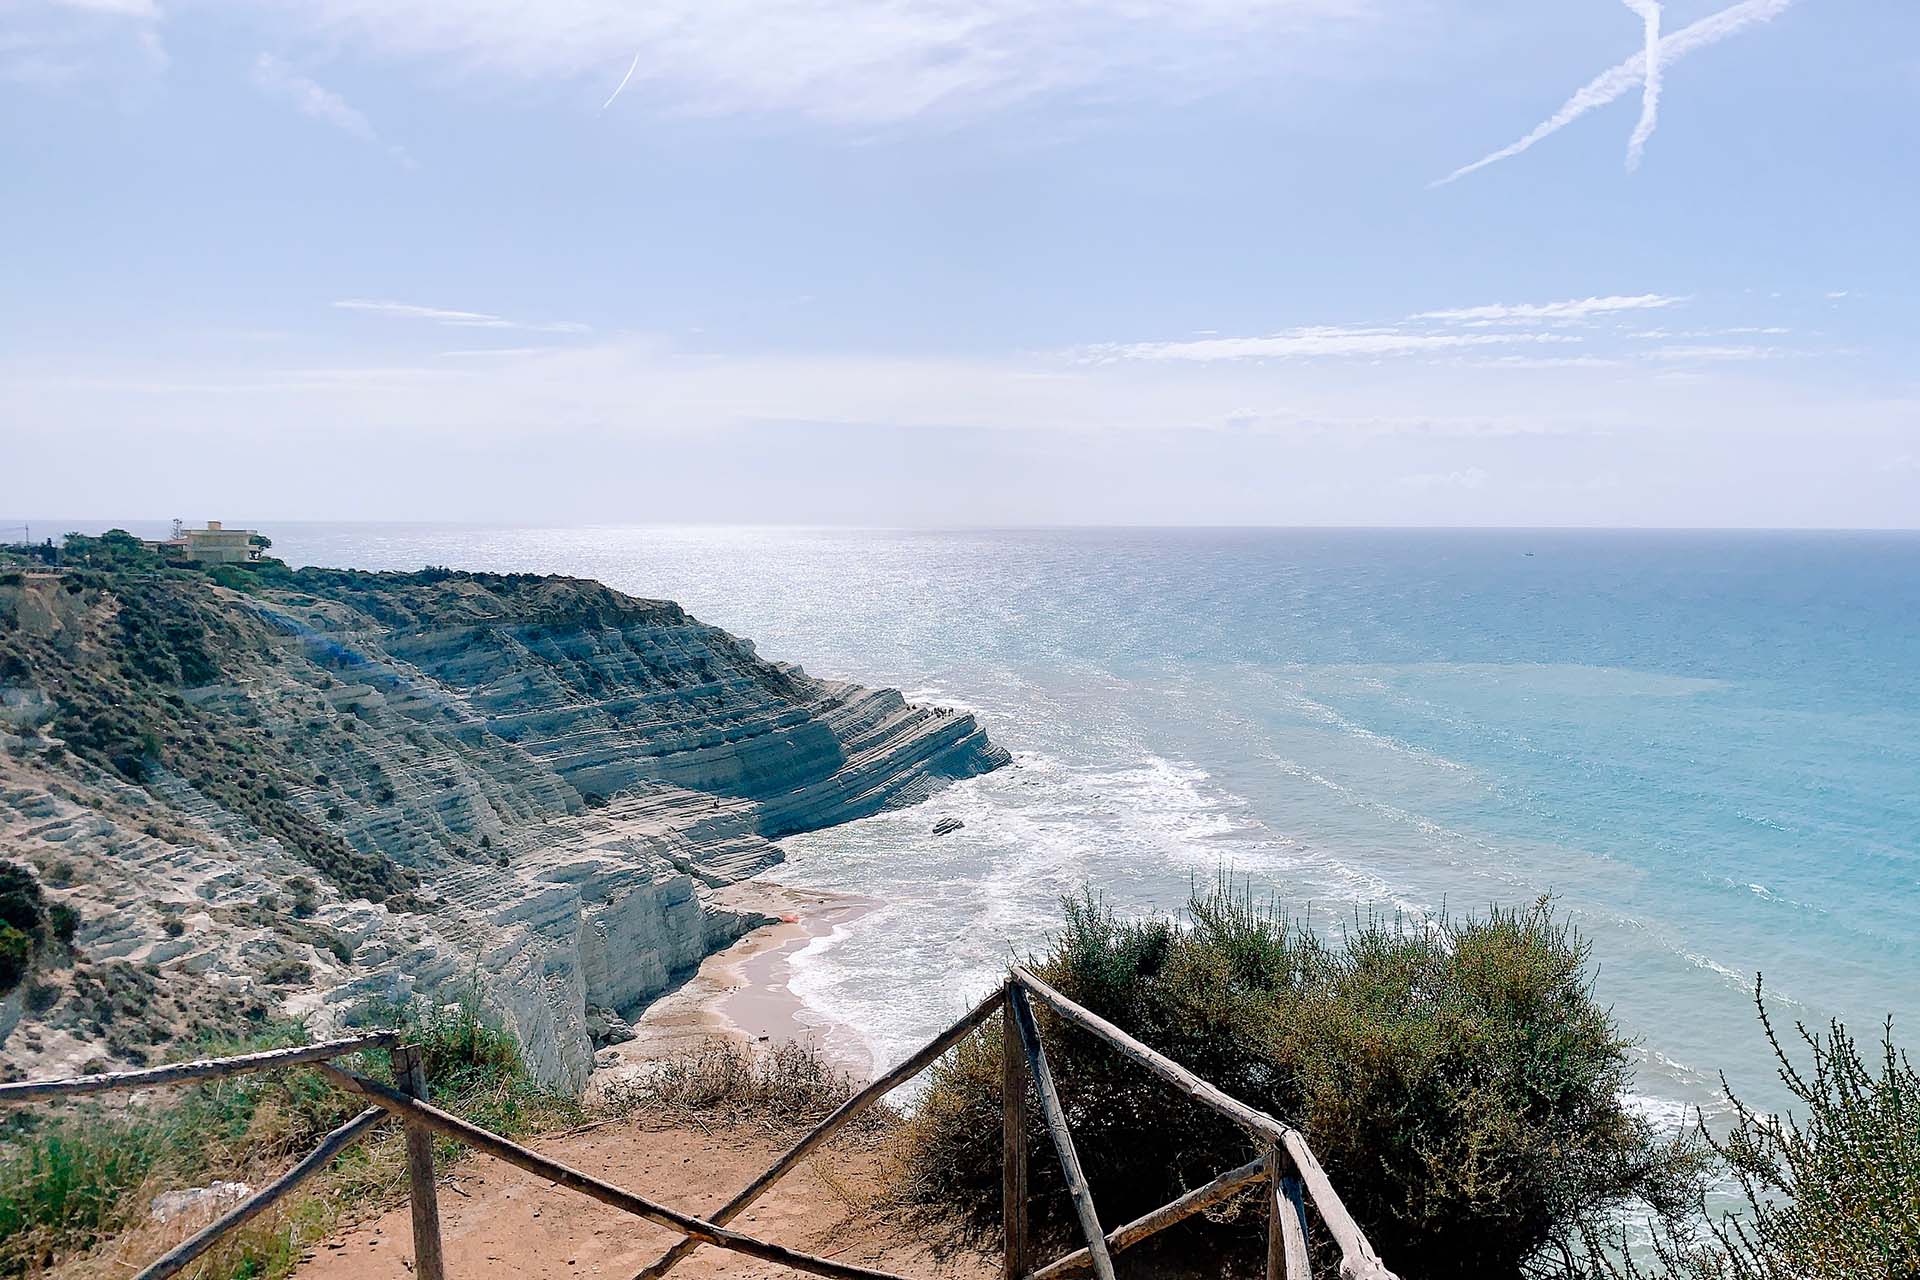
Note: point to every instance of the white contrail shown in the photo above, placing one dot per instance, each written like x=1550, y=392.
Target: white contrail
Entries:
x=1649, y=11
x=1609, y=85
x=631, y=68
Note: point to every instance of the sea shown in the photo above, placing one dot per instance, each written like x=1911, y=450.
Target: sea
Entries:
x=1704, y=746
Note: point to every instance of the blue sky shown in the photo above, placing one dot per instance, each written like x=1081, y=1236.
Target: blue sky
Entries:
x=961, y=261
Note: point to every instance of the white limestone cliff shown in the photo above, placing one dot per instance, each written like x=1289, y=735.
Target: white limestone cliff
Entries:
x=566, y=774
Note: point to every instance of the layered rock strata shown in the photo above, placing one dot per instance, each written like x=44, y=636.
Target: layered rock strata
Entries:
x=329, y=793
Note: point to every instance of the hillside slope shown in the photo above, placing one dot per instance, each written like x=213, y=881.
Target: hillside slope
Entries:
x=312, y=793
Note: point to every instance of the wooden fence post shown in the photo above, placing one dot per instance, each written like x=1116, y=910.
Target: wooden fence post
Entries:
x=1054, y=1112
x=1287, y=1257
x=410, y=1074
x=1013, y=1138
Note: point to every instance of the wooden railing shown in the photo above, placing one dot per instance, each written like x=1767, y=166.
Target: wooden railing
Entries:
x=408, y=1068
x=1286, y=1164
x=1283, y=1161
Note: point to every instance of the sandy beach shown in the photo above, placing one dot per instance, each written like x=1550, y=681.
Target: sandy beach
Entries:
x=743, y=993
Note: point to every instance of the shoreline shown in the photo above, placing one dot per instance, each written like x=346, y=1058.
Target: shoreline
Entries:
x=743, y=993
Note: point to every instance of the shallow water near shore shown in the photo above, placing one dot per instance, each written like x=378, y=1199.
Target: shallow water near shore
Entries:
x=1706, y=745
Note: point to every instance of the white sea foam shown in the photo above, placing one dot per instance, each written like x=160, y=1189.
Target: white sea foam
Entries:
x=1667, y=1115
x=1708, y=963
x=810, y=979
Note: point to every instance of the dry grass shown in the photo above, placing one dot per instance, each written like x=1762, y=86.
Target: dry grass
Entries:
x=722, y=1083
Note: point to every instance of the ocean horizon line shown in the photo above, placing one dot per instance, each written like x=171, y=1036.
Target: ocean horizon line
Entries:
x=72, y=524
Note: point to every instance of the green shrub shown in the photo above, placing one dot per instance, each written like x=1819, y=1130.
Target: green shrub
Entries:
x=22, y=904
x=16, y=954
x=1458, y=1081
x=64, y=922
x=28, y=926
x=233, y=577
x=285, y=971
x=1832, y=1192
x=475, y=1069
x=74, y=1174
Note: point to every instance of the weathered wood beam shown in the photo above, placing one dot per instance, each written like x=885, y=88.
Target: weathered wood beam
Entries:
x=1359, y=1259
x=1287, y=1257
x=423, y=1196
x=182, y=1255
x=1056, y=1118
x=846, y=1112
x=182, y=1072
x=1015, y=1225
x=586, y=1184
x=1198, y=1200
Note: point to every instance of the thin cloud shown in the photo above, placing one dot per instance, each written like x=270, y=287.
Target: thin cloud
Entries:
x=1649, y=11
x=851, y=61
x=457, y=319
x=64, y=42
x=120, y=8
x=275, y=78
x=1309, y=343
x=1570, y=309
x=1548, y=362
x=1741, y=330
x=621, y=87
x=1716, y=353
x=497, y=353
x=1612, y=84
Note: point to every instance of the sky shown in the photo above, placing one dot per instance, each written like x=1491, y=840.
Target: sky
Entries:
x=962, y=262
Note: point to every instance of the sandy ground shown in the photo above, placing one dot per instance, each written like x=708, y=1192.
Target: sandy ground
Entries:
x=499, y=1221
x=742, y=993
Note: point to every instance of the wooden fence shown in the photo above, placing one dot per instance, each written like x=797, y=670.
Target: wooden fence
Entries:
x=1283, y=1163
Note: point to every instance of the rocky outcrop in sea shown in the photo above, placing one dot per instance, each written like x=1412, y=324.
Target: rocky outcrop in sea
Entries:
x=323, y=794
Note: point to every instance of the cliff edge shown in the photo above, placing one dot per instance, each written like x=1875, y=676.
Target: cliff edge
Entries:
x=269, y=793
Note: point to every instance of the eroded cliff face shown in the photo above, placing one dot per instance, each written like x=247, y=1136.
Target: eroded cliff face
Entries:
x=331, y=791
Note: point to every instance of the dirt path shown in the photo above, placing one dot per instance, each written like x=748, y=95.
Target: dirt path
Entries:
x=499, y=1221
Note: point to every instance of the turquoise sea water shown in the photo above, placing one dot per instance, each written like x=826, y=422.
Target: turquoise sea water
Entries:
x=1707, y=745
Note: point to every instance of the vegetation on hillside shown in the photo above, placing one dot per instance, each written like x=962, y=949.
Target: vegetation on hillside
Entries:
x=73, y=1175
x=31, y=928
x=145, y=643
x=1458, y=1080
x=146, y=633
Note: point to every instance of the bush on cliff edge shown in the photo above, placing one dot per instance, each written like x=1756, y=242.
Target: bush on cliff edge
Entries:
x=1457, y=1079
x=1829, y=1190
